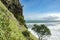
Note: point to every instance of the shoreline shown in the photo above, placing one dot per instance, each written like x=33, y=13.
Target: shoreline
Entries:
x=54, y=30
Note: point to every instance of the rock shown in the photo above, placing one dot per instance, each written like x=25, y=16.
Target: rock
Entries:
x=15, y=7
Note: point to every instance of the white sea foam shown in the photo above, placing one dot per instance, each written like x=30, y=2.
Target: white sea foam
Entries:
x=54, y=28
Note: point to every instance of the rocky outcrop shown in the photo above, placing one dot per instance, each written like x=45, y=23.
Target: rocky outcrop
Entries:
x=10, y=29
x=9, y=26
x=15, y=7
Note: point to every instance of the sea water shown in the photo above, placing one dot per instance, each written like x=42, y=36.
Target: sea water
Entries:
x=54, y=28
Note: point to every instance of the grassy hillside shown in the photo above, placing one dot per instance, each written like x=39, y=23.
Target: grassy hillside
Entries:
x=16, y=8
x=9, y=27
x=22, y=28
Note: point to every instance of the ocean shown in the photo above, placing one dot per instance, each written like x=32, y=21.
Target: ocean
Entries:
x=53, y=26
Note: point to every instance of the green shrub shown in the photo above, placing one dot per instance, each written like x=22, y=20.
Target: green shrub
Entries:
x=41, y=30
x=21, y=20
x=26, y=33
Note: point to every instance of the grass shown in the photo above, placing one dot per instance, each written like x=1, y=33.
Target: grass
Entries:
x=22, y=28
x=9, y=26
x=13, y=29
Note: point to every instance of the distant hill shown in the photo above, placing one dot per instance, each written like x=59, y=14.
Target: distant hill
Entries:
x=41, y=21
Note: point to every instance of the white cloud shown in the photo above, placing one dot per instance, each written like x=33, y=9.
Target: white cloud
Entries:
x=44, y=16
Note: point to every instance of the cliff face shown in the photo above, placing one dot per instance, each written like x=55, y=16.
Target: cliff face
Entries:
x=9, y=26
x=15, y=7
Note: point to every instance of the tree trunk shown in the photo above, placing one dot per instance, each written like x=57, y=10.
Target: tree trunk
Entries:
x=39, y=38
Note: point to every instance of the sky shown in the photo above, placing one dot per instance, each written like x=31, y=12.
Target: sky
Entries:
x=41, y=9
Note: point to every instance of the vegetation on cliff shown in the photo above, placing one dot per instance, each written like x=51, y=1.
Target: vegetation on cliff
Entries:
x=9, y=27
x=12, y=23
x=15, y=7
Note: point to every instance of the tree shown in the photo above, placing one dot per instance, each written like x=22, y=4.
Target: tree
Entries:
x=41, y=30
